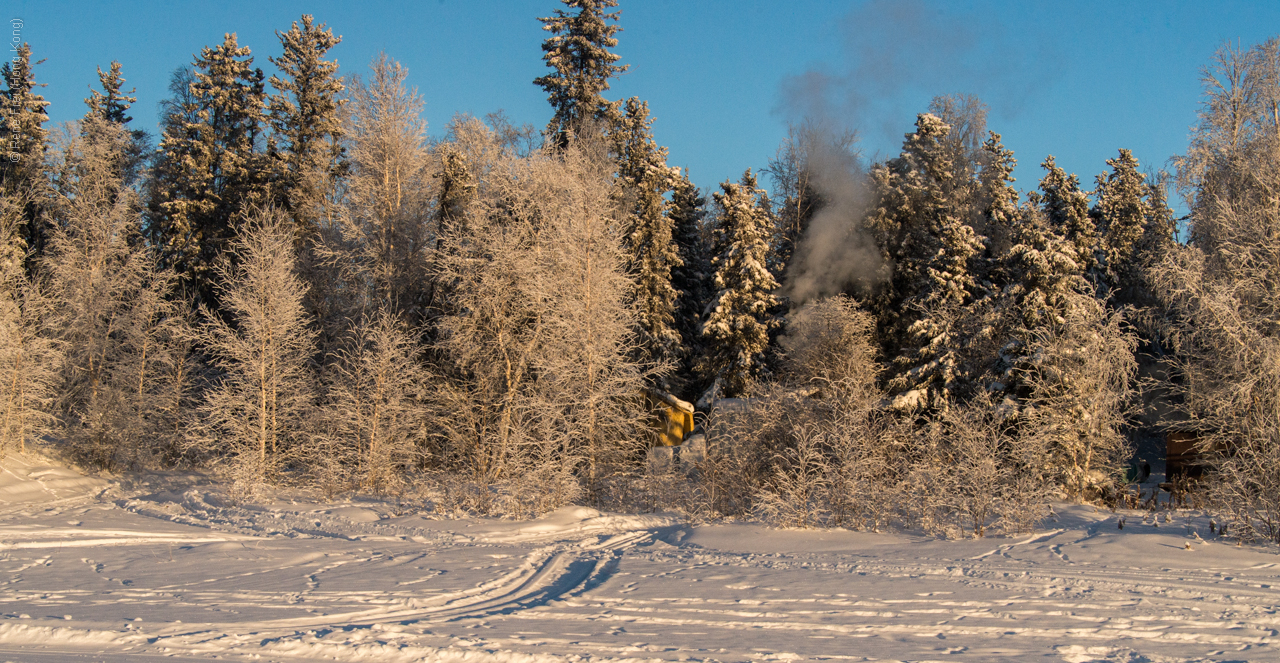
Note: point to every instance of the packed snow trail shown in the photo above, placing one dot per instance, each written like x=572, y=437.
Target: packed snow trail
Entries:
x=104, y=572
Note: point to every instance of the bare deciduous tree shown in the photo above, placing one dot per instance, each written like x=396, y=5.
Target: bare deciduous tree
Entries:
x=256, y=417
x=540, y=330
x=374, y=405
x=385, y=225
x=29, y=361
x=122, y=335
x=1079, y=374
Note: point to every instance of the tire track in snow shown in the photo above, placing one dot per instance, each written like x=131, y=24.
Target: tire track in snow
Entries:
x=548, y=574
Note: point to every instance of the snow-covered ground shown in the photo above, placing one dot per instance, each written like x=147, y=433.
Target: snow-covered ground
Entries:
x=162, y=569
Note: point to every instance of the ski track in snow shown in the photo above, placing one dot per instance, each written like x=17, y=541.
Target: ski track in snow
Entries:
x=96, y=572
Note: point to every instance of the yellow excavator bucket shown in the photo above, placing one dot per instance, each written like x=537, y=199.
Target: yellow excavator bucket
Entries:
x=673, y=417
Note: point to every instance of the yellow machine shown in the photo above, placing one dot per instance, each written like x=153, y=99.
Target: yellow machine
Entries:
x=673, y=418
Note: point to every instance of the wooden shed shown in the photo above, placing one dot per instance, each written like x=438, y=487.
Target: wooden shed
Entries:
x=1185, y=453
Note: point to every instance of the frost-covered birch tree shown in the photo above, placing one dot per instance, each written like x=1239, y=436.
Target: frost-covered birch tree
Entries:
x=541, y=333
x=29, y=360
x=111, y=309
x=1224, y=291
x=256, y=419
x=375, y=405
x=386, y=225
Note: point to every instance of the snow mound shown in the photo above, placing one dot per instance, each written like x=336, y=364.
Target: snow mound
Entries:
x=28, y=481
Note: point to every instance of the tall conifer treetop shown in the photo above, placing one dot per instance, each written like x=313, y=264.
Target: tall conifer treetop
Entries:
x=582, y=64
x=305, y=148
x=1066, y=208
x=1121, y=211
x=212, y=172
x=113, y=105
x=24, y=110
x=22, y=148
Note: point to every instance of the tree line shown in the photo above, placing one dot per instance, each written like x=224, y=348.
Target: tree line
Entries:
x=295, y=284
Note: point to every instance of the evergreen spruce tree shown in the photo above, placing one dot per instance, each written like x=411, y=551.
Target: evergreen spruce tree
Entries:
x=1066, y=208
x=1137, y=230
x=582, y=64
x=1120, y=215
x=691, y=277
x=920, y=222
x=113, y=102
x=737, y=328
x=306, y=144
x=642, y=184
x=23, y=136
x=1159, y=233
x=111, y=107
x=1045, y=282
x=456, y=192
x=212, y=172
x=997, y=203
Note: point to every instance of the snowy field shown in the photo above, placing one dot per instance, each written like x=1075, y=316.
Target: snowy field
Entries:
x=164, y=570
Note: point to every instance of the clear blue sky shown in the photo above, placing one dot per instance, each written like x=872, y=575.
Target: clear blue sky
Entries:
x=1077, y=80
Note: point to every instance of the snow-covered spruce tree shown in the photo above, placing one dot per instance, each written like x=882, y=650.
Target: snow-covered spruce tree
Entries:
x=540, y=332
x=110, y=308
x=29, y=360
x=113, y=103
x=1066, y=208
x=1136, y=228
x=1119, y=215
x=255, y=420
x=920, y=221
x=996, y=210
x=209, y=170
x=1043, y=275
x=691, y=278
x=578, y=54
x=305, y=147
x=374, y=409
x=386, y=229
x=736, y=331
x=643, y=181
x=22, y=169
x=112, y=106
